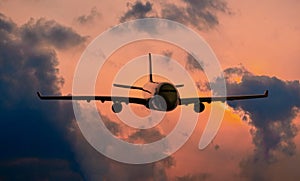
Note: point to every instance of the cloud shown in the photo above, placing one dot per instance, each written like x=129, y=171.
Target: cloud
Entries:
x=50, y=33
x=136, y=11
x=98, y=167
x=272, y=118
x=168, y=54
x=201, y=14
x=90, y=18
x=192, y=64
x=147, y=135
x=6, y=24
x=32, y=133
x=153, y=171
x=37, y=169
x=159, y=168
x=42, y=136
x=198, y=177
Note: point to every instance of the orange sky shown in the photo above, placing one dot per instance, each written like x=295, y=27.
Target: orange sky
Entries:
x=263, y=36
x=255, y=35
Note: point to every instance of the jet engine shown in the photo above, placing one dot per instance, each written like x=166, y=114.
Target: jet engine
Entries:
x=116, y=107
x=199, y=107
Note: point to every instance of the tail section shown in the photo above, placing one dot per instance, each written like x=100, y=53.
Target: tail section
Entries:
x=150, y=69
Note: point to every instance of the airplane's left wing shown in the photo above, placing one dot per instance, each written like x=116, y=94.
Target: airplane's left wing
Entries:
x=195, y=100
x=119, y=99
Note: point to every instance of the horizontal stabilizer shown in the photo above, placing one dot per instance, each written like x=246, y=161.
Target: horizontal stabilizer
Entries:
x=131, y=87
x=179, y=85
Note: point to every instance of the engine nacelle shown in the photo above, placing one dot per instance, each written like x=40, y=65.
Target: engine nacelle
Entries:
x=116, y=107
x=199, y=107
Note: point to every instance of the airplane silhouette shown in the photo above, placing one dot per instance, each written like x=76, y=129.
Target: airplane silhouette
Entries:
x=163, y=96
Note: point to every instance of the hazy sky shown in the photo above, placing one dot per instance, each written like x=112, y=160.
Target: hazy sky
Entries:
x=257, y=43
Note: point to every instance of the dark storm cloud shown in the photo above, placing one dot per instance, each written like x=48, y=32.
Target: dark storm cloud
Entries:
x=6, y=24
x=153, y=171
x=272, y=118
x=41, y=132
x=86, y=19
x=204, y=12
x=44, y=169
x=137, y=10
x=31, y=132
x=198, y=13
x=49, y=32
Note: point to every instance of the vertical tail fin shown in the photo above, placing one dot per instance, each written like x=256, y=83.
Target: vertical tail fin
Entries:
x=150, y=68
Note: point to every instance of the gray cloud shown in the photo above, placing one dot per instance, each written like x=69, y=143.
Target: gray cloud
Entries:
x=90, y=18
x=175, y=13
x=204, y=12
x=195, y=177
x=198, y=13
x=192, y=64
x=98, y=167
x=202, y=86
x=113, y=127
x=6, y=24
x=147, y=135
x=272, y=118
x=49, y=32
x=236, y=71
x=168, y=54
x=136, y=11
x=157, y=169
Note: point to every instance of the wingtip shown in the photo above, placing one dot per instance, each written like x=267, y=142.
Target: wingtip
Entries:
x=267, y=93
x=39, y=94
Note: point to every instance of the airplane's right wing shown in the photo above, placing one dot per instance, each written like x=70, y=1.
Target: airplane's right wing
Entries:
x=195, y=100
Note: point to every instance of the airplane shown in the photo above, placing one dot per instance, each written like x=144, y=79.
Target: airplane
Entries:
x=160, y=96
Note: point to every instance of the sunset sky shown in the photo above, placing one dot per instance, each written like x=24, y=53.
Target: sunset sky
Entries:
x=257, y=45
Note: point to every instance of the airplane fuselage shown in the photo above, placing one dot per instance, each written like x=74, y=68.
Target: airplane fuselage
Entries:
x=164, y=96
